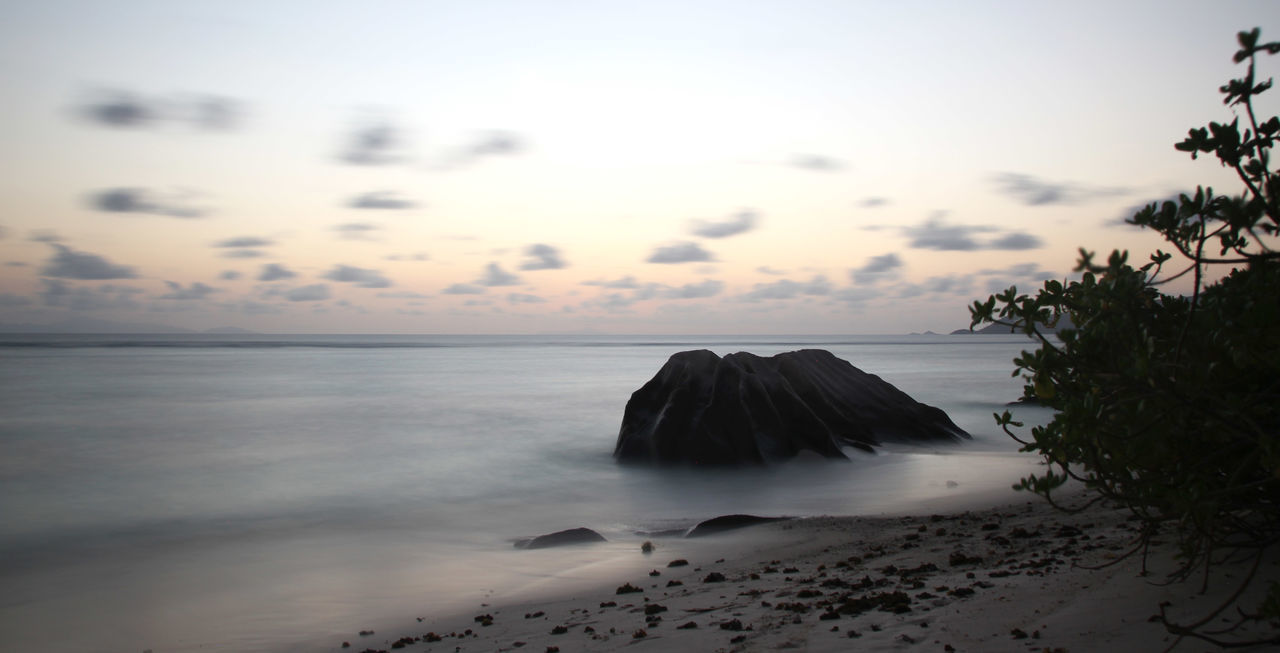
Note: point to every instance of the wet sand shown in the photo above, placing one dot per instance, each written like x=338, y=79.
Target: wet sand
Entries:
x=1016, y=577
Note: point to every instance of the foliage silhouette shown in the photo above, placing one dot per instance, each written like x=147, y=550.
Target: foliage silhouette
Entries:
x=1169, y=404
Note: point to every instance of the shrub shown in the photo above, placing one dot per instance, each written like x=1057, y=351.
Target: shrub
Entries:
x=1169, y=404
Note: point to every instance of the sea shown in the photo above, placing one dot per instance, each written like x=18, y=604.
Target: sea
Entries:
x=175, y=493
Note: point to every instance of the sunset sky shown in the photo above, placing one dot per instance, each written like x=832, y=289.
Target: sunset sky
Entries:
x=564, y=167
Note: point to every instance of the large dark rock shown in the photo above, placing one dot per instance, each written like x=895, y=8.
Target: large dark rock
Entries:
x=561, y=538
x=728, y=523
x=702, y=409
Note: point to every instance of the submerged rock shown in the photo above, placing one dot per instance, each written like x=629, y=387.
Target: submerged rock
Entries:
x=728, y=523
x=562, y=538
x=702, y=409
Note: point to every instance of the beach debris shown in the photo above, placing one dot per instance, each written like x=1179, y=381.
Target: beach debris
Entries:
x=559, y=630
x=714, y=577
x=561, y=538
x=366, y=633
x=647, y=547
x=627, y=588
x=639, y=634
x=678, y=562
x=655, y=572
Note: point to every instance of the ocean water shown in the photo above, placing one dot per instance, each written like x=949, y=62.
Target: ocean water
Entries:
x=272, y=493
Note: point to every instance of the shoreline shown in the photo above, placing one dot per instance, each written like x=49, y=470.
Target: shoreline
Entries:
x=1011, y=577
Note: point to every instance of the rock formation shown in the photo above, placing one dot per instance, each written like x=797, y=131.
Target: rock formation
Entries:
x=561, y=538
x=702, y=409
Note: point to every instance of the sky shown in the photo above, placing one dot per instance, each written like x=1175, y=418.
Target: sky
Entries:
x=693, y=167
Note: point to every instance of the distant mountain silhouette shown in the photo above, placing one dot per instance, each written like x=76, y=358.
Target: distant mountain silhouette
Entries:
x=999, y=329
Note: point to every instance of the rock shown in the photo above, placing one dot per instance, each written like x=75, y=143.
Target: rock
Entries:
x=728, y=523
x=562, y=538
x=701, y=409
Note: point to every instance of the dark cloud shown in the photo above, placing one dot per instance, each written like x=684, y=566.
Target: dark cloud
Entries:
x=1016, y=241
x=742, y=222
x=229, y=275
x=67, y=263
x=684, y=252
x=542, y=257
x=57, y=293
x=361, y=277
x=381, y=199
x=356, y=230
x=1034, y=191
x=7, y=299
x=124, y=110
x=373, y=144
x=140, y=200
x=787, y=289
x=764, y=269
x=872, y=202
x=817, y=162
x=524, y=298
x=857, y=296
x=624, y=283
x=935, y=234
x=121, y=109
x=877, y=269
x=275, y=272
x=312, y=293
x=195, y=291
x=708, y=288
x=494, y=275
x=464, y=289
x=244, y=242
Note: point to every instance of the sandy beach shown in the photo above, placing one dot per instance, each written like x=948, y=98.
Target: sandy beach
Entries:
x=1015, y=577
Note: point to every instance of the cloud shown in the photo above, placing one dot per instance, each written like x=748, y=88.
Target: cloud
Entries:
x=542, y=257
x=1033, y=191
x=195, y=291
x=312, y=293
x=67, y=263
x=8, y=299
x=741, y=222
x=229, y=275
x=683, y=252
x=59, y=294
x=244, y=242
x=624, y=283
x=877, y=269
x=381, y=199
x=356, y=230
x=496, y=276
x=787, y=289
x=764, y=269
x=120, y=110
x=361, y=277
x=125, y=110
x=487, y=144
x=140, y=200
x=243, y=253
x=403, y=294
x=1016, y=241
x=708, y=288
x=872, y=202
x=4, y=232
x=275, y=272
x=935, y=234
x=44, y=236
x=464, y=289
x=523, y=298
x=416, y=256
x=951, y=283
x=817, y=163
x=857, y=296
x=373, y=144
x=1127, y=213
